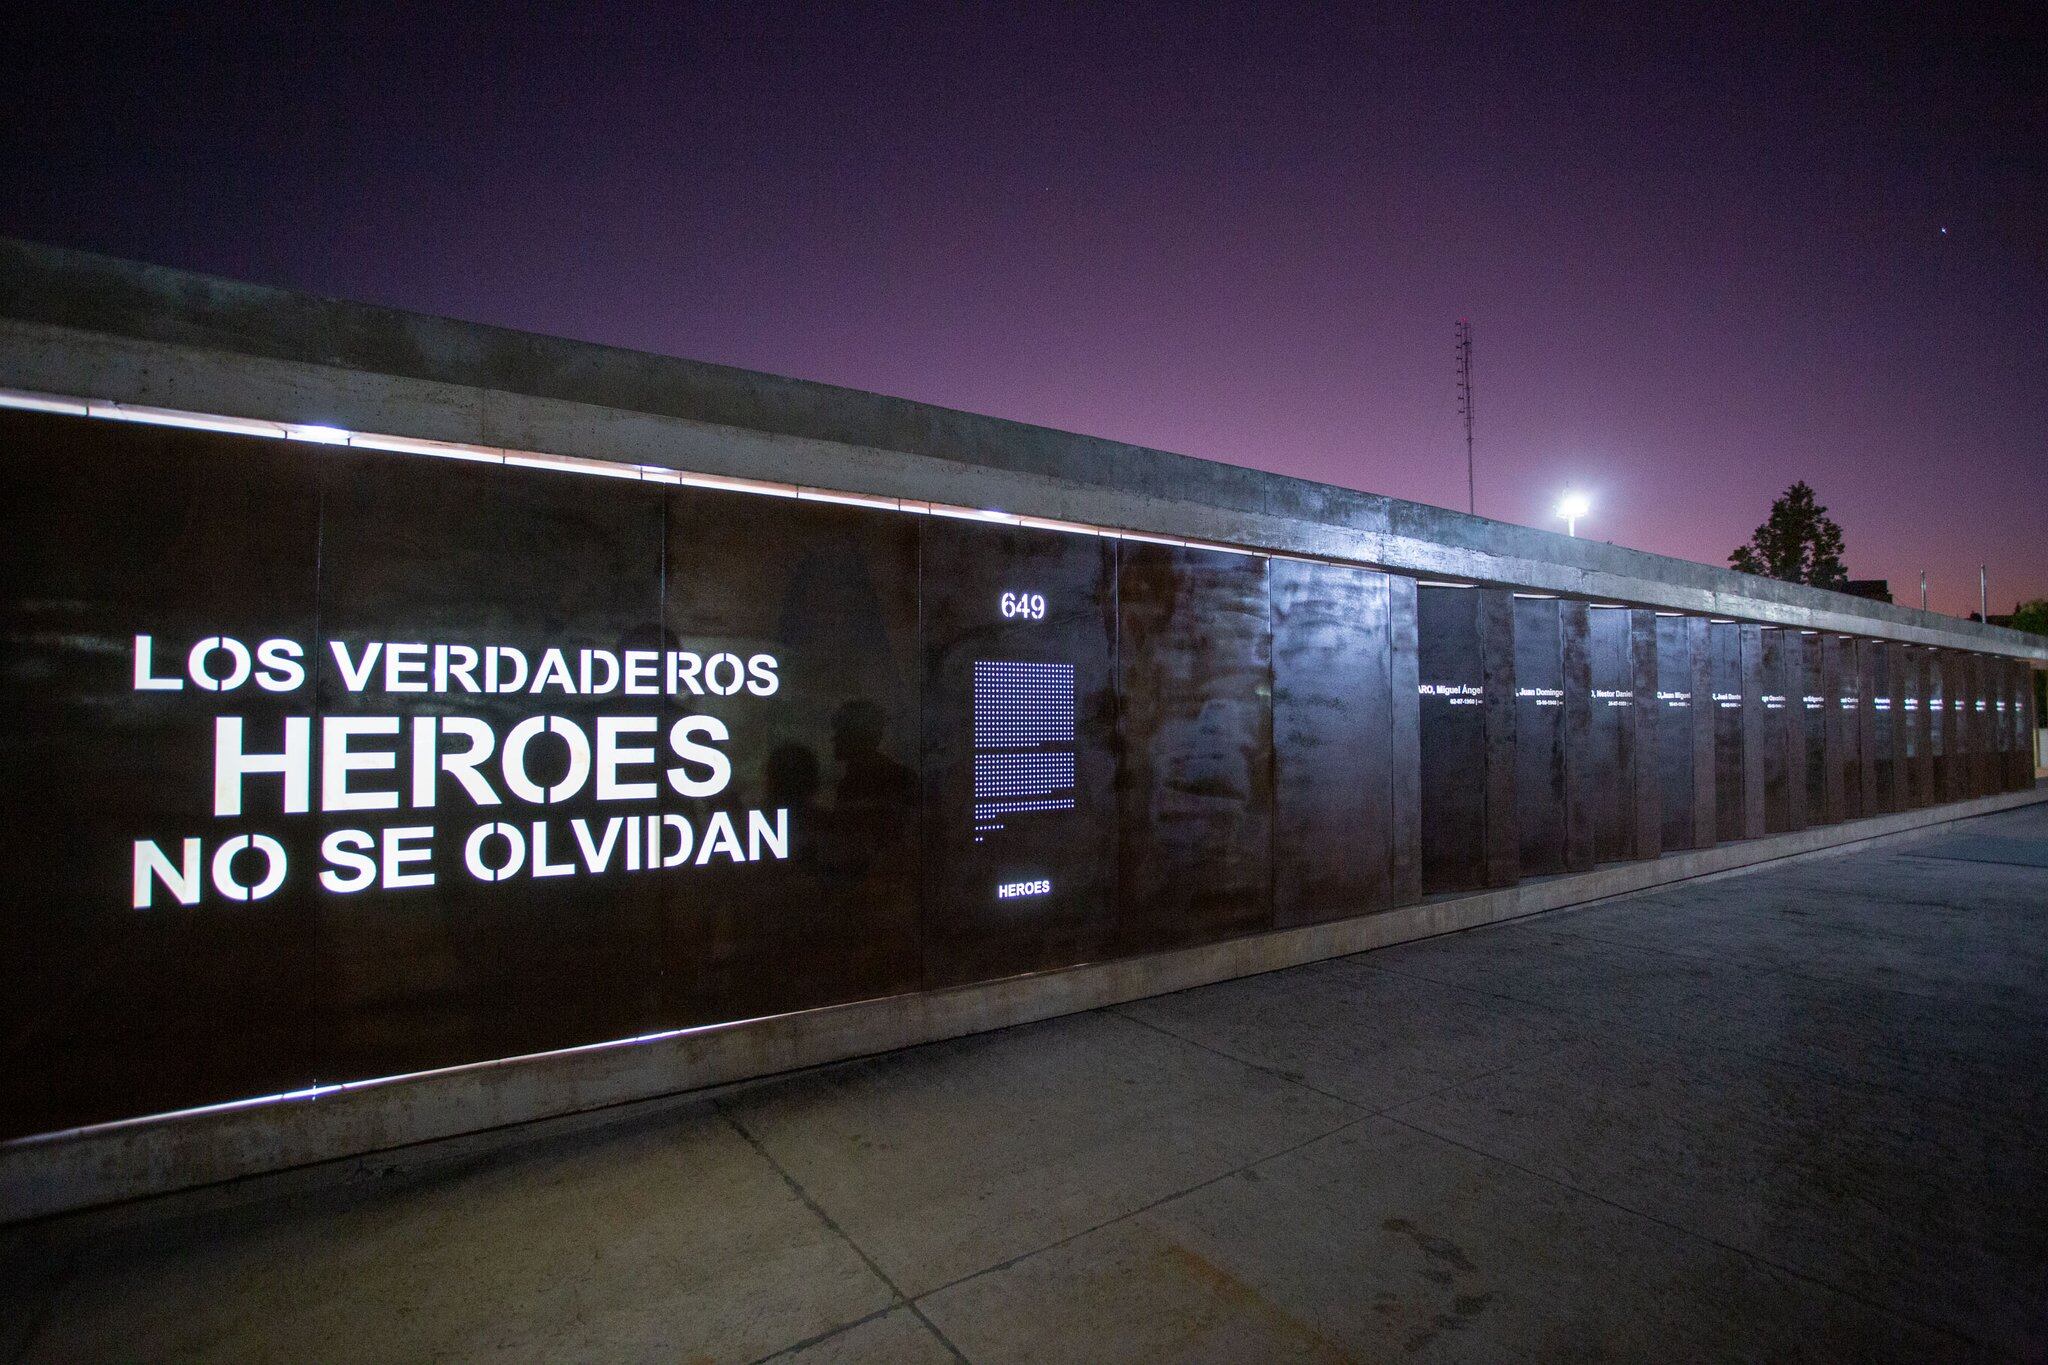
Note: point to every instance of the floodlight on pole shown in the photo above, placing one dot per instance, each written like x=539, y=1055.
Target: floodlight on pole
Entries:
x=1571, y=507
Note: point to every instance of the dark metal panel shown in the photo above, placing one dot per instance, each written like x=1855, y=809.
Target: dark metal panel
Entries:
x=1332, y=717
x=1705, y=801
x=1452, y=692
x=1885, y=716
x=1497, y=654
x=831, y=591
x=1979, y=727
x=108, y=531
x=2030, y=723
x=1792, y=680
x=1987, y=668
x=1724, y=642
x=1940, y=726
x=1611, y=734
x=2022, y=725
x=1019, y=739
x=1813, y=709
x=1988, y=692
x=2023, y=734
x=1846, y=723
x=1573, y=630
x=1649, y=801
x=2030, y=718
x=2010, y=750
x=466, y=969
x=1966, y=726
x=1540, y=779
x=1675, y=731
x=1405, y=757
x=1866, y=725
x=1823, y=727
x=1946, y=761
x=1775, y=740
x=1897, y=665
x=1942, y=667
x=2020, y=745
x=1954, y=726
x=1947, y=725
x=1920, y=725
x=1753, y=732
x=2018, y=765
x=1955, y=753
x=1195, y=728
x=2002, y=715
x=1816, y=716
x=2004, y=721
x=1981, y=680
x=1909, y=663
x=1994, y=721
x=1970, y=749
x=1933, y=721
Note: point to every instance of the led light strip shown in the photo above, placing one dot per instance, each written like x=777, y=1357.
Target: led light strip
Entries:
x=316, y=434
x=318, y=1090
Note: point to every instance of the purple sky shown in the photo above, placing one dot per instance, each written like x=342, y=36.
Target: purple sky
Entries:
x=1700, y=261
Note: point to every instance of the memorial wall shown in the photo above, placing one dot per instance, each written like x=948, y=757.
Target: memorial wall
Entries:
x=324, y=764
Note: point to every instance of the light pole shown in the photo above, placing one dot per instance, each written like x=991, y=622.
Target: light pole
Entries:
x=1571, y=507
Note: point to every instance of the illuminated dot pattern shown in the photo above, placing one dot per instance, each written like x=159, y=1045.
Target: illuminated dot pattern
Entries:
x=1022, y=703
x=1030, y=774
x=1023, y=741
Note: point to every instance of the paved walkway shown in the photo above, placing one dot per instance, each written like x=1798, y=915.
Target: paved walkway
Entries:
x=1792, y=1114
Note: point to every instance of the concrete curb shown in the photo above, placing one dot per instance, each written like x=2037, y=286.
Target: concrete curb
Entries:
x=108, y=1163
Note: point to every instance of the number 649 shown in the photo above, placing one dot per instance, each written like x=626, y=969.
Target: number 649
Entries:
x=1029, y=605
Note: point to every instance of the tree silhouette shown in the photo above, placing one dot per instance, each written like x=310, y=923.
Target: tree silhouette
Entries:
x=1798, y=543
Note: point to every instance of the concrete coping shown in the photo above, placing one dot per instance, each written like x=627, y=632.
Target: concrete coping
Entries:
x=91, y=326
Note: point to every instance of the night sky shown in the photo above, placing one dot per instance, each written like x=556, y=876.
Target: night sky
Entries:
x=1700, y=261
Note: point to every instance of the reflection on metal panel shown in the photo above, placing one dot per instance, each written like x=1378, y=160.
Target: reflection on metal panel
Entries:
x=1676, y=730
x=1539, y=736
x=1195, y=712
x=1724, y=644
x=1332, y=742
x=1611, y=711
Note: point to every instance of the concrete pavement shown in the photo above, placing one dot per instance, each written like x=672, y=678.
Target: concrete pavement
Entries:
x=1784, y=1114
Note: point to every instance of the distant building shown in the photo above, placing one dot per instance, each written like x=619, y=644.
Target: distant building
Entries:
x=1876, y=589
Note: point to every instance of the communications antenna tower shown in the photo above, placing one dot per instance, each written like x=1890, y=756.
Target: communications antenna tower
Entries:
x=1465, y=408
